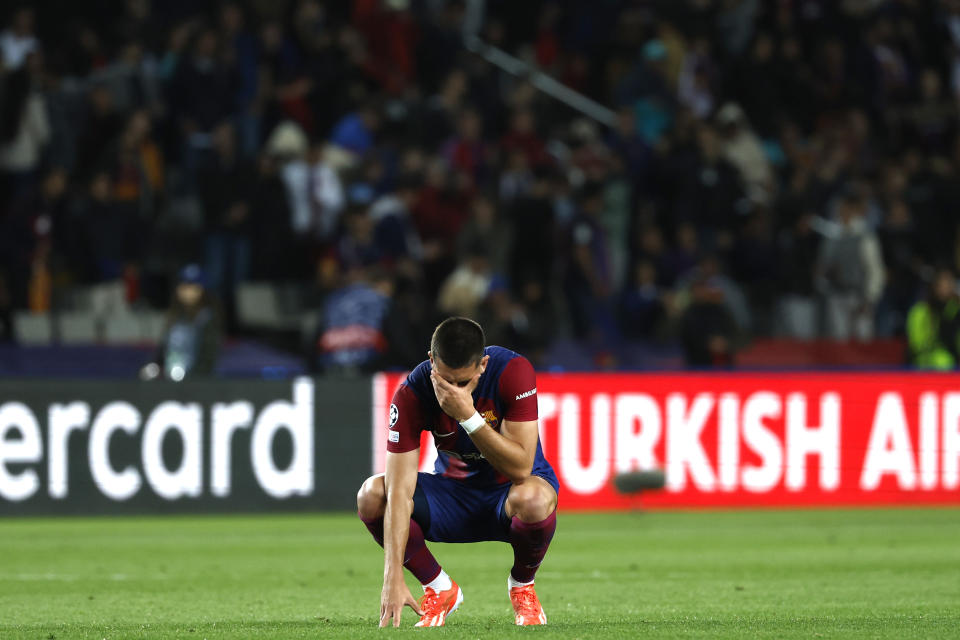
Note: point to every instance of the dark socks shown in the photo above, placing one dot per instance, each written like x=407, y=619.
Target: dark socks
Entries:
x=530, y=541
x=416, y=557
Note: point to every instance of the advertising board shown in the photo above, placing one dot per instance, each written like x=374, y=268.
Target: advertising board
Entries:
x=735, y=440
x=210, y=445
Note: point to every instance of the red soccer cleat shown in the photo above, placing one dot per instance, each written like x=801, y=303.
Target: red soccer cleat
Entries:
x=437, y=605
x=527, y=606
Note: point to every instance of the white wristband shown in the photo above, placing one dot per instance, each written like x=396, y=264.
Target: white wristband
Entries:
x=473, y=423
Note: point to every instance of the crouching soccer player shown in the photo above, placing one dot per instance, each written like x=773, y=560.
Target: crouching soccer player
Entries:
x=491, y=481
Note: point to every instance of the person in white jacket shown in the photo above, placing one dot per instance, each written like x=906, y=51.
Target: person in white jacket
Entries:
x=21, y=148
x=850, y=272
x=314, y=188
x=743, y=149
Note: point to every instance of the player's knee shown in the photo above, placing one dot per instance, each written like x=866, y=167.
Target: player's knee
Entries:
x=532, y=503
x=371, y=499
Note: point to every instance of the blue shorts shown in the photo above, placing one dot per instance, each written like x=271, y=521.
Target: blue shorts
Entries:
x=458, y=512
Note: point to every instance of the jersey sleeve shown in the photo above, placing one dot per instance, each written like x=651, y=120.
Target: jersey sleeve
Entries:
x=518, y=390
x=406, y=421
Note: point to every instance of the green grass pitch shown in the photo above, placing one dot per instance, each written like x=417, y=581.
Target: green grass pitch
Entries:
x=771, y=574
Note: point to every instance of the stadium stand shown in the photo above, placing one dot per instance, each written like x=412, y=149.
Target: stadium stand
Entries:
x=603, y=174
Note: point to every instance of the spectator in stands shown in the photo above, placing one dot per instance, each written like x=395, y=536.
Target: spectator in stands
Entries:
x=101, y=125
x=697, y=82
x=357, y=247
x=649, y=80
x=533, y=216
x=350, y=335
x=270, y=226
x=483, y=231
x=18, y=41
x=525, y=321
x=650, y=247
x=25, y=226
x=736, y=21
x=283, y=83
x=250, y=98
x=711, y=269
x=707, y=329
x=505, y=321
x=742, y=149
x=392, y=216
x=709, y=192
x=131, y=82
x=931, y=120
x=226, y=186
x=634, y=152
x=798, y=247
x=516, y=178
x=850, y=271
x=24, y=130
x=641, y=306
x=203, y=93
x=683, y=257
x=439, y=111
x=466, y=152
x=40, y=238
x=138, y=166
x=441, y=209
x=355, y=131
x=114, y=235
x=753, y=264
x=192, y=334
x=390, y=36
x=760, y=100
x=649, y=89
x=314, y=195
x=314, y=188
x=409, y=324
x=933, y=325
x=588, y=282
x=523, y=137
x=467, y=286
x=904, y=263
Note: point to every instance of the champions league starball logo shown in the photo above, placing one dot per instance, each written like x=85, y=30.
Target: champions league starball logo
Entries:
x=394, y=414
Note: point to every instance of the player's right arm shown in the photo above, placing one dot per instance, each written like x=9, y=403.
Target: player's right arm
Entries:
x=400, y=481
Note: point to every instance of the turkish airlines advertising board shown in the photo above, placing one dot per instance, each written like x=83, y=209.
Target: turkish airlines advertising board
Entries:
x=732, y=440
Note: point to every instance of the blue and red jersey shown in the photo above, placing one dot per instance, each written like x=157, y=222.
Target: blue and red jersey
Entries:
x=507, y=390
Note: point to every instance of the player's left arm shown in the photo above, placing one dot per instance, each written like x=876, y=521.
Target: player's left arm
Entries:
x=511, y=451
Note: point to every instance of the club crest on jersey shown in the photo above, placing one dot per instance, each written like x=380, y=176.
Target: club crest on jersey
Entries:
x=394, y=414
x=491, y=418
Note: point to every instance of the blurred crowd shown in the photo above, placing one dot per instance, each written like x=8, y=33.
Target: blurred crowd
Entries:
x=787, y=168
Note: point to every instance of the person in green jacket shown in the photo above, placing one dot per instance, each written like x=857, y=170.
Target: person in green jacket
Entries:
x=933, y=326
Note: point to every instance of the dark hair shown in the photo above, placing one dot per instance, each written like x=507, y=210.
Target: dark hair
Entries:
x=457, y=342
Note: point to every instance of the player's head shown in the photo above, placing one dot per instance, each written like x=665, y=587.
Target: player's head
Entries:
x=456, y=350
